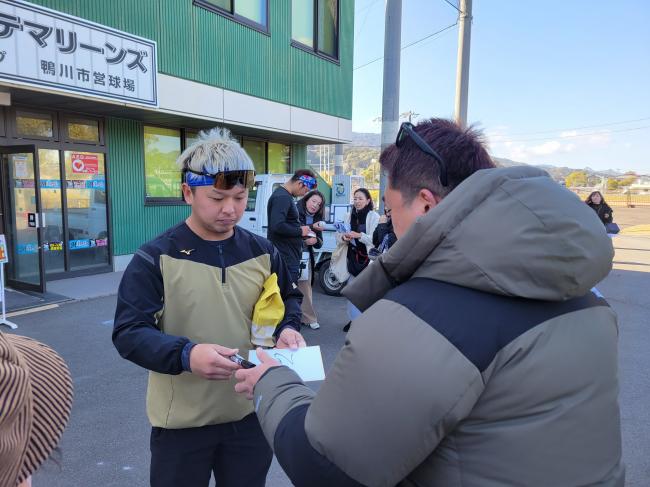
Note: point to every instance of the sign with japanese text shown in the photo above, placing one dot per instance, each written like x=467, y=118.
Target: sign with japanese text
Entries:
x=20, y=167
x=45, y=48
x=85, y=163
x=86, y=184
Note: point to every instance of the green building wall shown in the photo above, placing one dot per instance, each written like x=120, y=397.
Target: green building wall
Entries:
x=199, y=45
x=203, y=46
x=134, y=223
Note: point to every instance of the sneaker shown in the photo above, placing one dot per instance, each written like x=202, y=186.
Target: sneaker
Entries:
x=314, y=325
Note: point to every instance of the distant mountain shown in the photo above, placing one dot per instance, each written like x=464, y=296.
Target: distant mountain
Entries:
x=366, y=139
x=558, y=172
x=364, y=147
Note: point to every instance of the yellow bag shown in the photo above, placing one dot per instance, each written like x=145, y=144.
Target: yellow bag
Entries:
x=267, y=314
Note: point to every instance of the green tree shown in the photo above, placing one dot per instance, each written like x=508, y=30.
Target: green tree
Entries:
x=626, y=181
x=612, y=184
x=371, y=174
x=576, y=178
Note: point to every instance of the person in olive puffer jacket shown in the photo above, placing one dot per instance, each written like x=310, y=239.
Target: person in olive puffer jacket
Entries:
x=481, y=357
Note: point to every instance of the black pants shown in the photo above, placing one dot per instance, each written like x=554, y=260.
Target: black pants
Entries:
x=294, y=272
x=237, y=453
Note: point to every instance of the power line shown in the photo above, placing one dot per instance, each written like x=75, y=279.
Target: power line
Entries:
x=454, y=6
x=362, y=9
x=575, y=136
x=430, y=35
x=365, y=18
x=577, y=128
x=409, y=45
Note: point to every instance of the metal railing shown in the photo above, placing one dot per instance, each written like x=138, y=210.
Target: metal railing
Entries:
x=630, y=200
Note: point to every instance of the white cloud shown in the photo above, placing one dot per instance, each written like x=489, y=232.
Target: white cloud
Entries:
x=601, y=138
x=538, y=151
x=499, y=131
x=547, y=148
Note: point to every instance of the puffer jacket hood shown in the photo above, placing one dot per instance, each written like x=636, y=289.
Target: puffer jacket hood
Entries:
x=508, y=231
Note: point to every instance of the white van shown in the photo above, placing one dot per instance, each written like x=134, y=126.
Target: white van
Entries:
x=256, y=220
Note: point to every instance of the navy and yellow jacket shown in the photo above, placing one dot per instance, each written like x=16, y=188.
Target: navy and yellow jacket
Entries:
x=180, y=289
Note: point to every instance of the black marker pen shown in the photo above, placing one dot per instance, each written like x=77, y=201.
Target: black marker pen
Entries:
x=238, y=359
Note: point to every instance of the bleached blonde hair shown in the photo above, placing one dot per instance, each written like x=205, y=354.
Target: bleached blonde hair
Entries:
x=215, y=151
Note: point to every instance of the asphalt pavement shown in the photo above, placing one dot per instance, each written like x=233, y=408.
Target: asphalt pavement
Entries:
x=106, y=442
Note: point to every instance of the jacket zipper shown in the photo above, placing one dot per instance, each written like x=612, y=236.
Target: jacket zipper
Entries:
x=223, y=265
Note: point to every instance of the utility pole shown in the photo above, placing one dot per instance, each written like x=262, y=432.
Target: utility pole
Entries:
x=390, y=102
x=462, y=67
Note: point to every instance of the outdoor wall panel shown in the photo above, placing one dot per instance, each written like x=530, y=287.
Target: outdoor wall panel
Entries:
x=248, y=61
x=281, y=75
x=210, y=62
x=203, y=46
x=175, y=45
x=139, y=17
x=333, y=82
x=133, y=223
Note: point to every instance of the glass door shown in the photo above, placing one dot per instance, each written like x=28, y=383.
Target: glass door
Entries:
x=23, y=218
x=49, y=169
x=87, y=224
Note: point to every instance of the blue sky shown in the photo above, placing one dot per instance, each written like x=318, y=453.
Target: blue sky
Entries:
x=540, y=71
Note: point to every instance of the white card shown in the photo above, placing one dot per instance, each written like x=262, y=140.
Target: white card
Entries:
x=306, y=361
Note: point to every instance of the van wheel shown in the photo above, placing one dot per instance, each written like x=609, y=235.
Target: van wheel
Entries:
x=328, y=281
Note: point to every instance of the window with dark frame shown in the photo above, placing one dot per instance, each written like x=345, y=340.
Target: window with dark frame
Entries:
x=256, y=150
x=191, y=136
x=35, y=124
x=83, y=130
x=3, y=130
x=162, y=146
x=252, y=13
x=315, y=26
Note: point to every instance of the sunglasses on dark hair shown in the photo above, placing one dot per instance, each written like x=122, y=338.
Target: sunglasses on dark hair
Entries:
x=407, y=130
x=227, y=179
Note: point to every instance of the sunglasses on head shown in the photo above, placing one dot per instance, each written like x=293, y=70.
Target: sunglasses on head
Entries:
x=407, y=130
x=221, y=180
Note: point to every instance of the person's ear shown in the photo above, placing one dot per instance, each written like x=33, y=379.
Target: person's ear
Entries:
x=428, y=200
x=188, y=196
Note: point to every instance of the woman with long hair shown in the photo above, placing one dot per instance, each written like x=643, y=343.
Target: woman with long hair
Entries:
x=310, y=212
x=363, y=221
x=597, y=203
x=384, y=236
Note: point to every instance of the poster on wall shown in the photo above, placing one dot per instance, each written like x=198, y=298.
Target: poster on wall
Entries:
x=21, y=170
x=4, y=257
x=85, y=163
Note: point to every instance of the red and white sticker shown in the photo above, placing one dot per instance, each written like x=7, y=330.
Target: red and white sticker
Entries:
x=85, y=163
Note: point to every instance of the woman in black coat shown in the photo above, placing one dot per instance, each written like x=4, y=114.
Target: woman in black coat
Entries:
x=597, y=203
x=384, y=237
x=310, y=211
